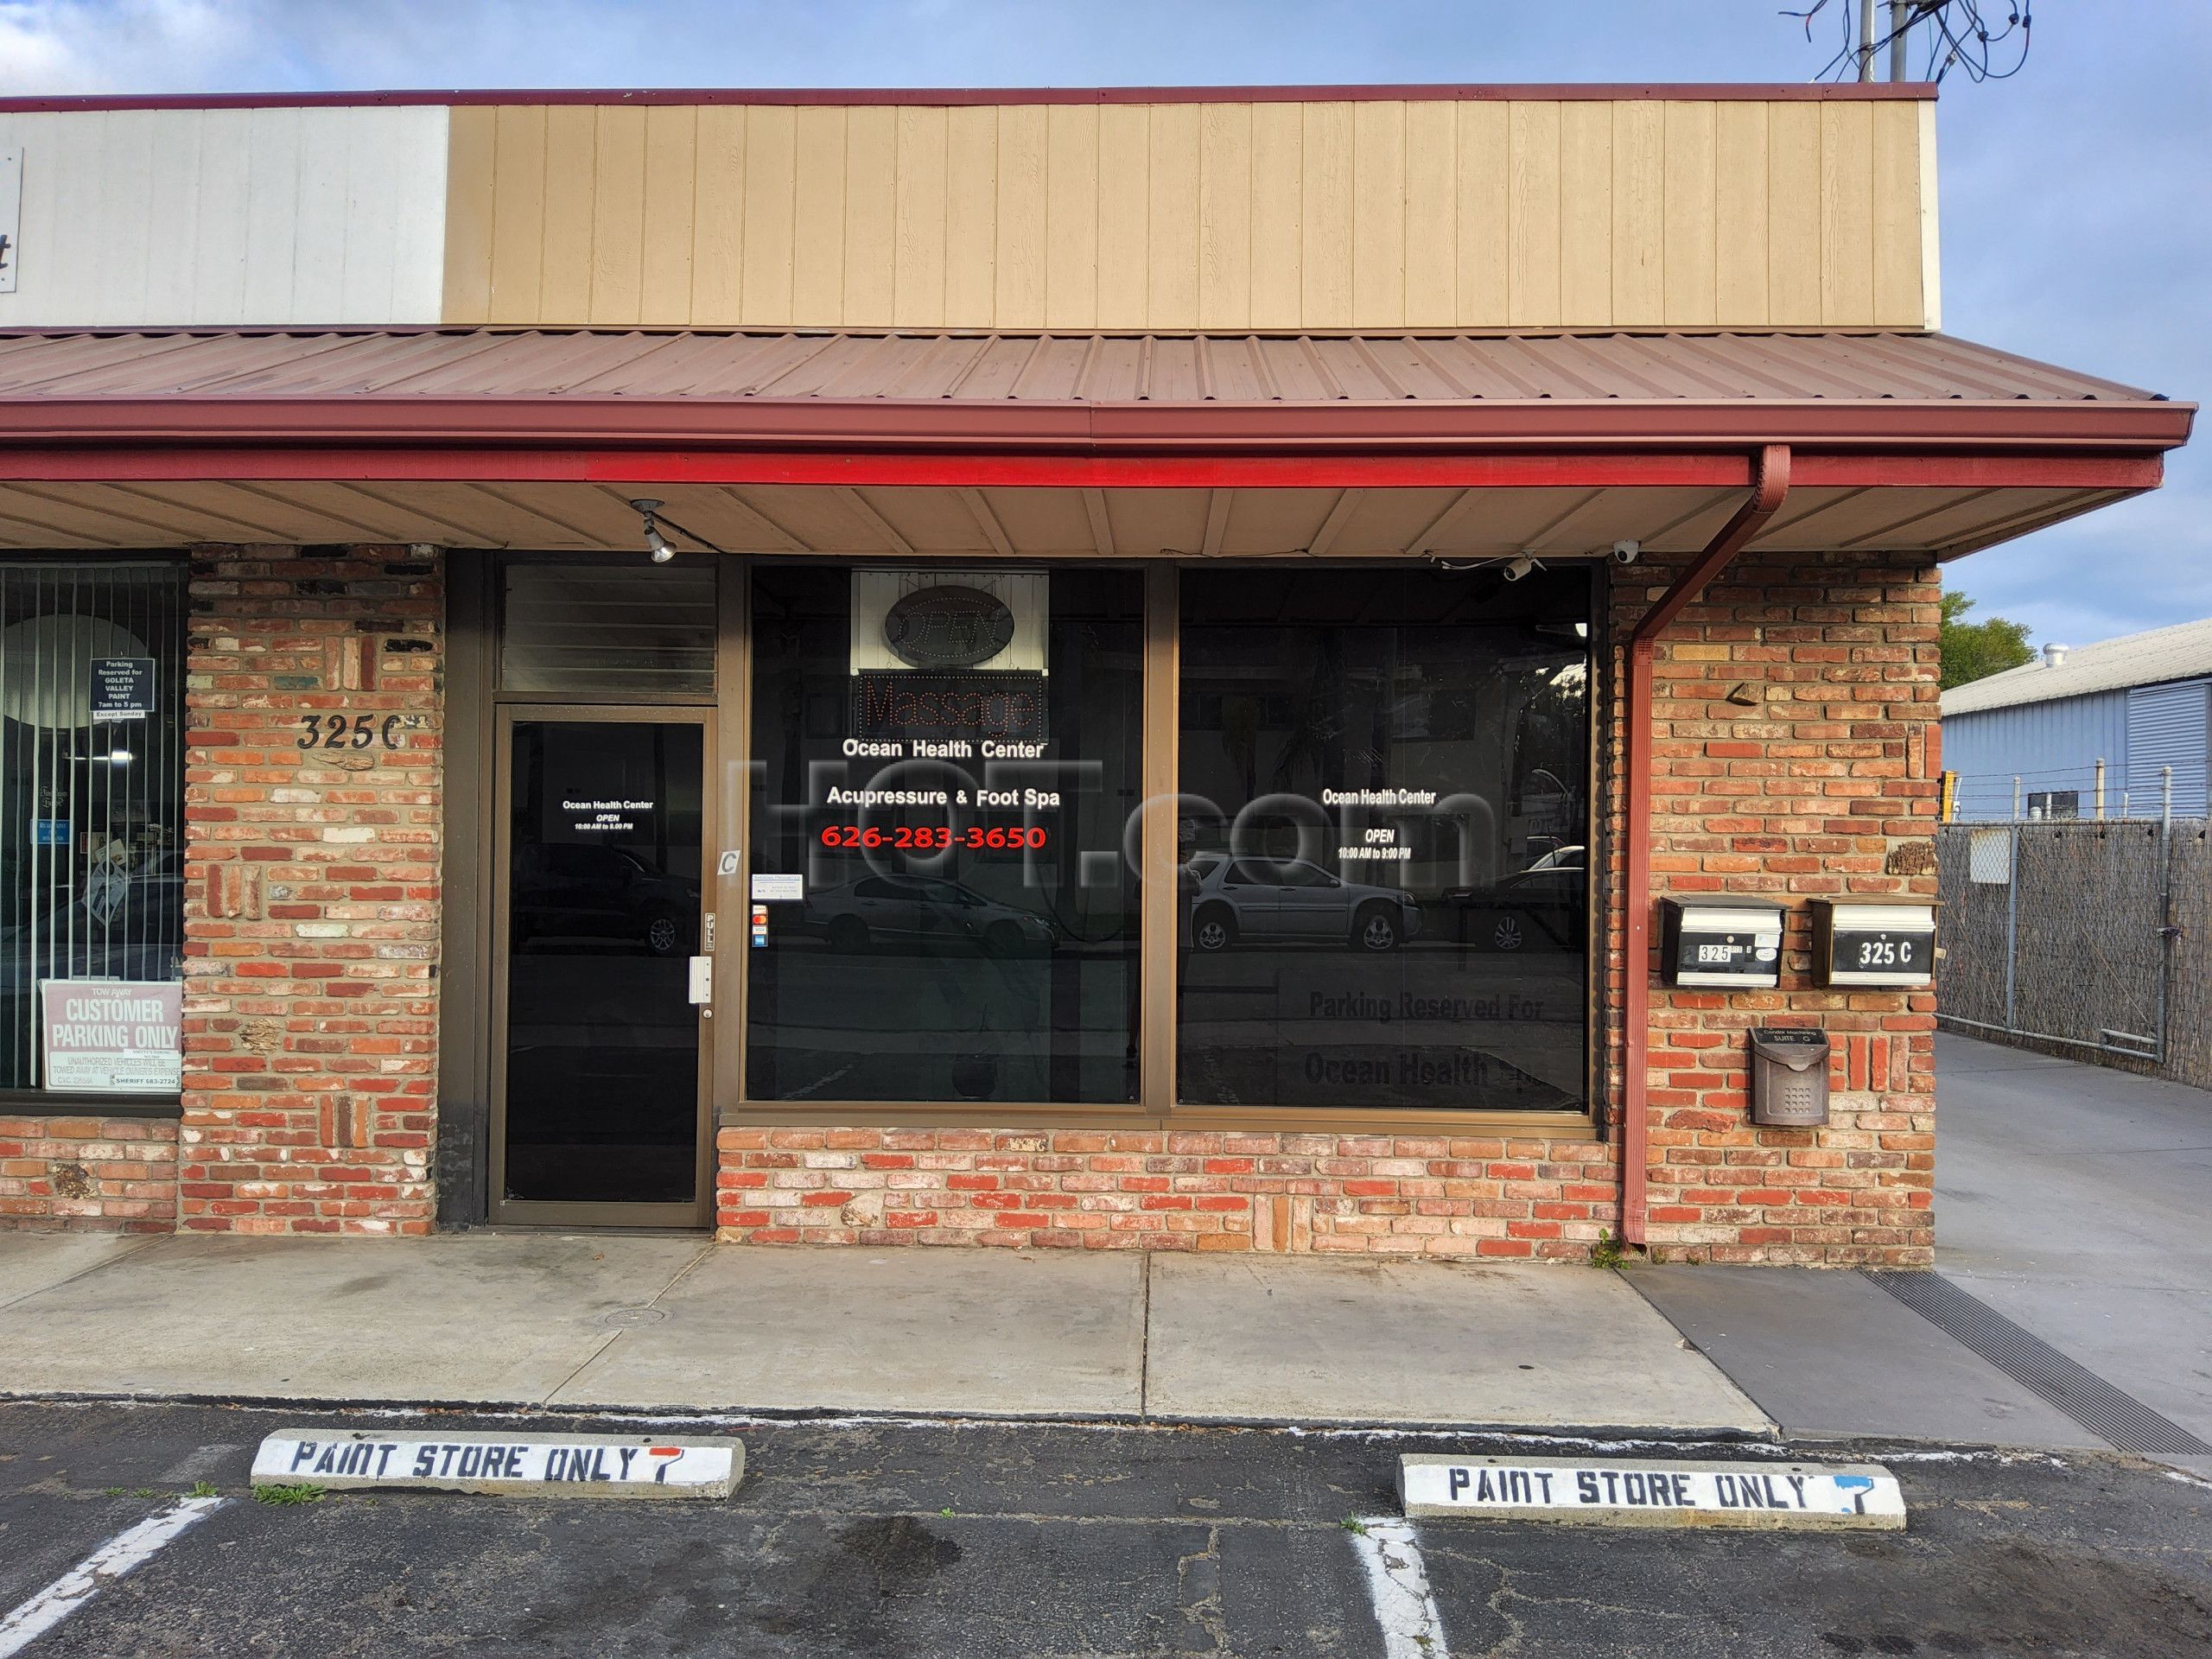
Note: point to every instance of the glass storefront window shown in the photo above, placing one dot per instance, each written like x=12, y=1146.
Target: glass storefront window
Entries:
x=1383, y=839
x=945, y=768
x=91, y=827
x=1377, y=884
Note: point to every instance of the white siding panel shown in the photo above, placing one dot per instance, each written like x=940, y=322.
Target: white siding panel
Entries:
x=272, y=226
x=119, y=233
x=59, y=183
x=372, y=201
x=220, y=239
x=172, y=216
x=320, y=210
x=415, y=260
x=226, y=217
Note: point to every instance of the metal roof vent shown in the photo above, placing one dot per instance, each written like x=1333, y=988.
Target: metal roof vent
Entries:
x=2055, y=656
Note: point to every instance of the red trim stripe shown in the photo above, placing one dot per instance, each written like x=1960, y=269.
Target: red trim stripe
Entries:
x=1522, y=469
x=955, y=97
x=1410, y=426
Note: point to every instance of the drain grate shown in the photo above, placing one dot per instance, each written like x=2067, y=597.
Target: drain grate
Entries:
x=2036, y=1366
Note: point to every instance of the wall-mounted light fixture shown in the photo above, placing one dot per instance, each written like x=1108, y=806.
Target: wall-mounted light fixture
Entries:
x=1517, y=566
x=1510, y=570
x=659, y=545
x=656, y=543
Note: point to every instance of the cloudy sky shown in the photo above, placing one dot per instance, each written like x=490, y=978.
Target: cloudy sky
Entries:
x=2075, y=223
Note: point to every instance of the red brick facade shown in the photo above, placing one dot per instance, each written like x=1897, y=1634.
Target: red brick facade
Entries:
x=1496, y=1195
x=87, y=1174
x=1792, y=756
x=311, y=891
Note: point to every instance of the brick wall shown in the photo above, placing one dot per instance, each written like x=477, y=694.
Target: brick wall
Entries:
x=1500, y=1196
x=1793, y=756
x=311, y=891
x=87, y=1174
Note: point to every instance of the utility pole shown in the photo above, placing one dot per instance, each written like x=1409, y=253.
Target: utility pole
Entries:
x=1866, y=40
x=1900, y=23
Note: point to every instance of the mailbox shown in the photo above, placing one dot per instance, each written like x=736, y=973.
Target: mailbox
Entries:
x=1725, y=943
x=1789, y=1076
x=1874, y=942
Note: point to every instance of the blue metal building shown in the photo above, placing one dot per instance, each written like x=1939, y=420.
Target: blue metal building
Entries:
x=2139, y=703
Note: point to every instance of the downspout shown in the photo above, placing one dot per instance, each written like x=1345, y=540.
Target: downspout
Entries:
x=1770, y=484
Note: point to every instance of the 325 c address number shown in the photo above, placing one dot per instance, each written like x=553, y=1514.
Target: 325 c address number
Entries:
x=362, y=732
x=929, y=837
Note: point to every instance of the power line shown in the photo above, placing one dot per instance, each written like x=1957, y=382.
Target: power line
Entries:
x=1962, y=38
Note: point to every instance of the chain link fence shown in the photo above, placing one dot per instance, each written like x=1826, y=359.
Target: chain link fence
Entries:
x=2085, y=938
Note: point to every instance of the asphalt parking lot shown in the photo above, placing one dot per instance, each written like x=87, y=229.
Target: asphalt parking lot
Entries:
x=988, y=1541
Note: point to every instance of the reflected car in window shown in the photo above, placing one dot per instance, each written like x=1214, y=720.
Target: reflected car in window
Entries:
x=124, y=923
x=1280, y=900
x=578, y=891
x=888, y=909
x=1544, y=908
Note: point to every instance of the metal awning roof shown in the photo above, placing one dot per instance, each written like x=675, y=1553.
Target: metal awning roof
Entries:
x=1043, y=392
x=1045, y=445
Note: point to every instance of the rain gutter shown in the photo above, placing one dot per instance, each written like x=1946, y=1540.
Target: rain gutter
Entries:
x=1769, y=484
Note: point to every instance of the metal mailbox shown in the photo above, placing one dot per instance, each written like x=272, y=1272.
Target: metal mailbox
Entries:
x=1789, y=1076
x=1874, y=942
x=1727, y=944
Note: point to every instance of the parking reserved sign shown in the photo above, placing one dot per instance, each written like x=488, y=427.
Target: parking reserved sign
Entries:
x=1651, y=1493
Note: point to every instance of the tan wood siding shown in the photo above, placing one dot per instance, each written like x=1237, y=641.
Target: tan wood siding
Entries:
x=1739, y=212
x=1225, y=210
x=472, y=154
x=1371, y=215
x=1639, y=163
x=1533, y=216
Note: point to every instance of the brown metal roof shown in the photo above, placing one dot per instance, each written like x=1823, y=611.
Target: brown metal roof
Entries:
x=1060, y=392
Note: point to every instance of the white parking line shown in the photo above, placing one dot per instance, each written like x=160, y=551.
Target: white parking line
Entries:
x=123, y=1554
x=1397, y=1586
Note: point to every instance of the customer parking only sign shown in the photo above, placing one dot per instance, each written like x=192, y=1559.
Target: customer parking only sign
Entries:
x=113, y=1036
x=1628, y=1492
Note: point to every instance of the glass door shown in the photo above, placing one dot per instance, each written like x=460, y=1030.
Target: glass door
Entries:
x=600, y=948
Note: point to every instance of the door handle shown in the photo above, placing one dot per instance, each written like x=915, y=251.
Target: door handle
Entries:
x=703, y=981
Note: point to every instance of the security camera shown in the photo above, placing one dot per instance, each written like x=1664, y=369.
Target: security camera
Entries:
x=1518, y=567
x=1626, y=552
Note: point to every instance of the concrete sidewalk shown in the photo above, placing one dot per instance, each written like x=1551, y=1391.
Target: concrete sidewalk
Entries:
x=2070, y=1244
x=2073, y=1200
x=2069, y=1204
x=642, y=1323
